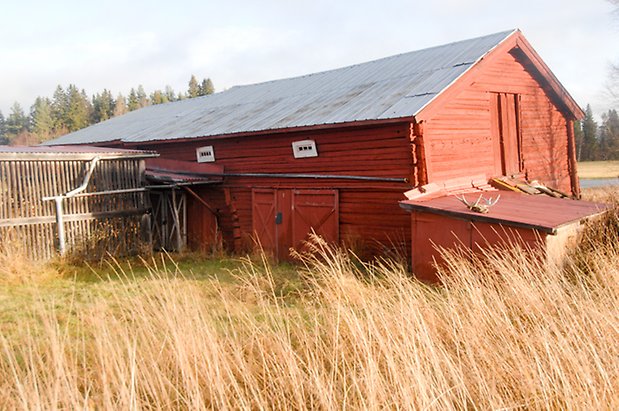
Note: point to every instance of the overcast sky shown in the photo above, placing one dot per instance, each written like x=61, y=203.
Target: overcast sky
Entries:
x=117, y=44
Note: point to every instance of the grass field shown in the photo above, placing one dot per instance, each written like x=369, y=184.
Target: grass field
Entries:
x=598, y=169
x=506, y=331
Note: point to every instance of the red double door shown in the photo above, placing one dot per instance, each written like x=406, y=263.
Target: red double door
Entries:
x=284, y=218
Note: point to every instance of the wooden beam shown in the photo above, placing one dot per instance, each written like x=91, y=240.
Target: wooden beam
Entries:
x=421, y=162
x=571, y=159
x=67, y=218
x=201, y=201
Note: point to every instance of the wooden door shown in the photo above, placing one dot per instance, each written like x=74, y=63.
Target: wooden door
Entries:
x=271, y=220
x=263, y=218
x=505, y=113
x=284, y=218
x=317, y=211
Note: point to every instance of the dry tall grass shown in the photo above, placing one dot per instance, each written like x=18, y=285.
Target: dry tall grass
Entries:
x=505, y=332
x=15, y=264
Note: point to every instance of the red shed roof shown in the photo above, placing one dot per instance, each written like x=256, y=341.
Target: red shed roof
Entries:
x=163, y=170
x=513, y=209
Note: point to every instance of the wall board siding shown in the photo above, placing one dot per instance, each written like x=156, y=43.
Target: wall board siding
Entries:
x=459, y=137
x=369, y=215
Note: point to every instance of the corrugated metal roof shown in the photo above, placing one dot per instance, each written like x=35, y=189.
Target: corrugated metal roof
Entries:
x=389, y=88
x=69, y=152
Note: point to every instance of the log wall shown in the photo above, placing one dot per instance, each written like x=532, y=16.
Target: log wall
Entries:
x=370, y=219
x=460, y=136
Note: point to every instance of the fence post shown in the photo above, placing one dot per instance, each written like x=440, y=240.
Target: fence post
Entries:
x=60, y=225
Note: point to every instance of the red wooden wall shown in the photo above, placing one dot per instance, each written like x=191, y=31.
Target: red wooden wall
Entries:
x=461, y=135
x=460, y=138
x=370, y=219
x=432, y=231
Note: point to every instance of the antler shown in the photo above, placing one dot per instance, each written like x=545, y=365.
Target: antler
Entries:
x=478, y=200
x=490, y=202
x=463, y=200
x=480, y=208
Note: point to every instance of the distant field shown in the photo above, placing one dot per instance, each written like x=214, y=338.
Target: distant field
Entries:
x=598, y=169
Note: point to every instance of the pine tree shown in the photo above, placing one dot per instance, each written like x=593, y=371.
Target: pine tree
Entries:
x=207, y=87
x=17, y=121
x=60, y=109
x=3, y=137
x=79, y=112
x=132, y=102
x=589, y=137
x=142, y=97
x=41, y=120
x=170, y=94
x=194, y=88
x=609, y=135
x=120, y=106
x=158, y=97
x=102, y=106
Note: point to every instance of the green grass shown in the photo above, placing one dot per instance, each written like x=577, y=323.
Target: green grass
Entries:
x=598, y=169
x=68, y=288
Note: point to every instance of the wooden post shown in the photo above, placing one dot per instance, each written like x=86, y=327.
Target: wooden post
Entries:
x=177, y=223
x=60, y=225
x=420, y=154
x=571, y=159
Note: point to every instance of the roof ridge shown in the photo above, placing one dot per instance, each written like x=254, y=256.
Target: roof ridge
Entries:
x=377, y=60
x=391, y=87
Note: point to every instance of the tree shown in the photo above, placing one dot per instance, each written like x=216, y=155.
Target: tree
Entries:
x=589, y=136
x=120, y=107
x=3, y=137
x=194, y=88
x=132, y=101
x=41, y=119
x=207, y=87
x=609, y=135
x=102, y=106
x=142, y=97
x=17, y=121
x=170, y=94
x=79, y=110
x=60, y=108
x=158, y=97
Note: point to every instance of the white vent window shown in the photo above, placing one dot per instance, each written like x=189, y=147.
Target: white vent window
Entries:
x=205, y=154
x=304, y=149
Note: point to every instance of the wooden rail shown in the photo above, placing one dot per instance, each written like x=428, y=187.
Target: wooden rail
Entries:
x=105, y=214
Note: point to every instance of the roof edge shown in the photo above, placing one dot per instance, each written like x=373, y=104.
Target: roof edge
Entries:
x=465, y=72
x=561, y=92
x=514, y=40
x=256, y=133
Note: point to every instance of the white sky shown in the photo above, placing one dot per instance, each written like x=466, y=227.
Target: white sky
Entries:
x=118, y=44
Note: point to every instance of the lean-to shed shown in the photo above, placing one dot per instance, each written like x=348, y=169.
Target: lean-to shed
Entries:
x=335, y=151
x=80, y=199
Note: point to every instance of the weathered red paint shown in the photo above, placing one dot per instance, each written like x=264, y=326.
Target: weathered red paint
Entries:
x=283, y=219
x=445, y=222
x=508, y=114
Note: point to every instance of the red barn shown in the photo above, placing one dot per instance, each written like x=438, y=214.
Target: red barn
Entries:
x=335, y=151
